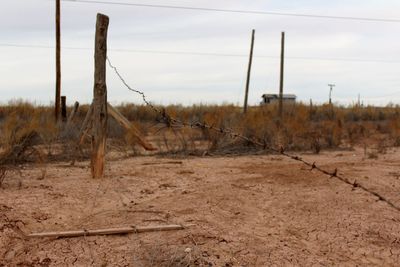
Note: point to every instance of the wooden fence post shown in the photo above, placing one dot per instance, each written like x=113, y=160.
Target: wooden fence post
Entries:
x=246, y=94
x=73, y=113
x=99, y=98
x=87, y=125
x=63, y=108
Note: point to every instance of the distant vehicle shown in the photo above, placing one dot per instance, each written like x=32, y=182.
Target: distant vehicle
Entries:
x=274, y=98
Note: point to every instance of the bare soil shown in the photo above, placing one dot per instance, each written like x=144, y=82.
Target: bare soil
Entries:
x=247, y=210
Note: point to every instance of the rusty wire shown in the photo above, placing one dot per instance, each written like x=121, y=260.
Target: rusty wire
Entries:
x=171, y=121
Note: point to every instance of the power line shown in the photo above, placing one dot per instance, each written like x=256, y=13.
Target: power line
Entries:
x=41, y=46
x=208, y=54
x=240, y=11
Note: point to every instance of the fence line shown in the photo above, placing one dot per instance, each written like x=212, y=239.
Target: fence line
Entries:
x=171, y=121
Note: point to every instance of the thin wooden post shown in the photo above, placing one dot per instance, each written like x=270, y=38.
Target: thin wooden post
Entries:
x=64, y=108
x=73, y=113
x=86, y=125
x=99, y=98
x=246, y=95
x=281, y=75
x=58, y=61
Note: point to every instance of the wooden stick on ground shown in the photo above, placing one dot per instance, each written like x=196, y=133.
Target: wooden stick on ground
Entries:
x=110, y=231
x=162, y=162
x=129, y=126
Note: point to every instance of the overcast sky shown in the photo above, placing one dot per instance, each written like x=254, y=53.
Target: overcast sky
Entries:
x=29, y=73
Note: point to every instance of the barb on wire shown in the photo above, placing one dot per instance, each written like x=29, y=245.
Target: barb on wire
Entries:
x=131, y=89
x=170, y=121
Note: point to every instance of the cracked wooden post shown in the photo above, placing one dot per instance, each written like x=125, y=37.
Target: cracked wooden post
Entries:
x=99, y=115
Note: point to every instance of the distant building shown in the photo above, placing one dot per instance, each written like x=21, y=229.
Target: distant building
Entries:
x=274, y=98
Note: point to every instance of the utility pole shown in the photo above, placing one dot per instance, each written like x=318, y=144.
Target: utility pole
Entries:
x=330, y=92
x=246, y=95
x=58, y=61
x=281, y=76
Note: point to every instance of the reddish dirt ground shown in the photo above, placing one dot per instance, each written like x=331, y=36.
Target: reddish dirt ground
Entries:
x=247, y=210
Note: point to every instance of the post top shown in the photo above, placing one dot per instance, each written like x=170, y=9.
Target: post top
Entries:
x=102, y=16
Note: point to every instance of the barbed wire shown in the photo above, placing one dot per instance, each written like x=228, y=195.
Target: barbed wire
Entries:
x=171, y=121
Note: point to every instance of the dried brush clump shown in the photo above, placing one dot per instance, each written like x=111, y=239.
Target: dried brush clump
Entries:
x=21, y=133
x=171, y=256
x=18, y=153
x=302, y=128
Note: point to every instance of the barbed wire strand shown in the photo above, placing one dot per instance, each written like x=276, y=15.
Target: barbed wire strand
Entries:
x=171, y=121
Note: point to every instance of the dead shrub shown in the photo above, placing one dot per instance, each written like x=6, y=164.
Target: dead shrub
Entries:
x=171, y=256
x=302, y=127
x=18, y=153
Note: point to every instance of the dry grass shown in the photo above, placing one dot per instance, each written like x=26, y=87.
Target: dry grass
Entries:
x=171, y=256
x=303, y=128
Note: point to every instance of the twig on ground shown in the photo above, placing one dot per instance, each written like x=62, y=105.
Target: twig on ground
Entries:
x=111, y=231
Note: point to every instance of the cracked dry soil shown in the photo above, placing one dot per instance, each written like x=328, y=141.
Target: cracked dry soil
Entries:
x=247, y=210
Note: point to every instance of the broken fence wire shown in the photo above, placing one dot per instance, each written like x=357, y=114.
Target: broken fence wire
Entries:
x=171, y=121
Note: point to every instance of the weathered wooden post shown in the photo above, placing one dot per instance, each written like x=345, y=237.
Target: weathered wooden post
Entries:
x=246, y=95
x=63, y=108
x=73, y=113
x=99, y=115
x=281, y=76
x=58, y=61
